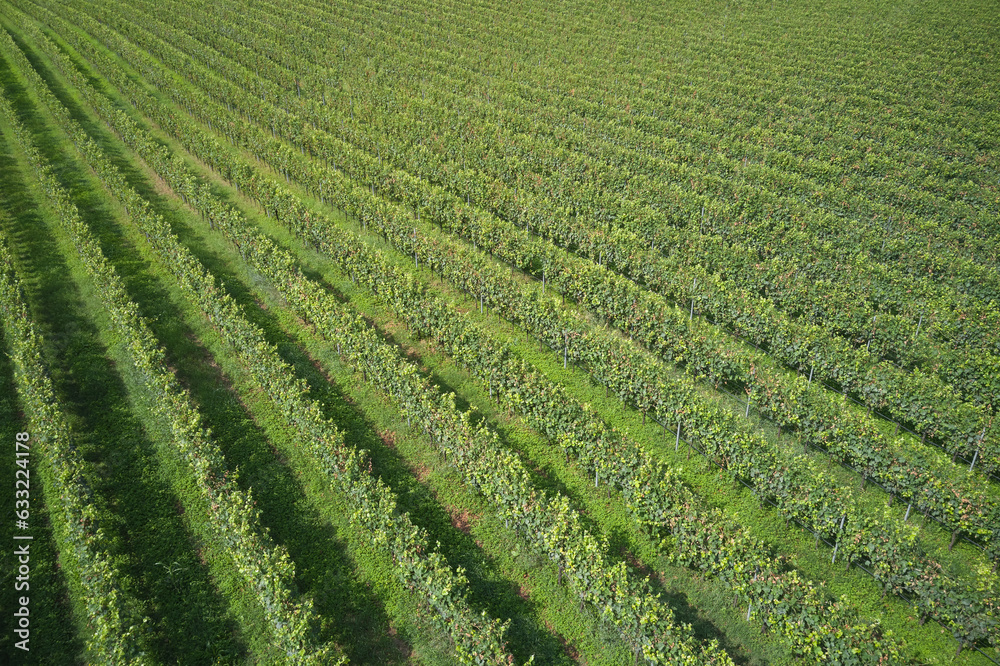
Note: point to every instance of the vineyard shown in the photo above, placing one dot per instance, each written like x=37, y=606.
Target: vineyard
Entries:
x=539, y=332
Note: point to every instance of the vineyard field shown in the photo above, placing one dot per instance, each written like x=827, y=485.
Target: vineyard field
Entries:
x=532, y=333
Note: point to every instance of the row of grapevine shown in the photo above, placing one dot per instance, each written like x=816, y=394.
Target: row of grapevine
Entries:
x=477, y=639
x=235, y=520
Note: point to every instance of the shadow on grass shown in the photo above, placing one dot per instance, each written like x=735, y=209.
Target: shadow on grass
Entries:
x=622, y=545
